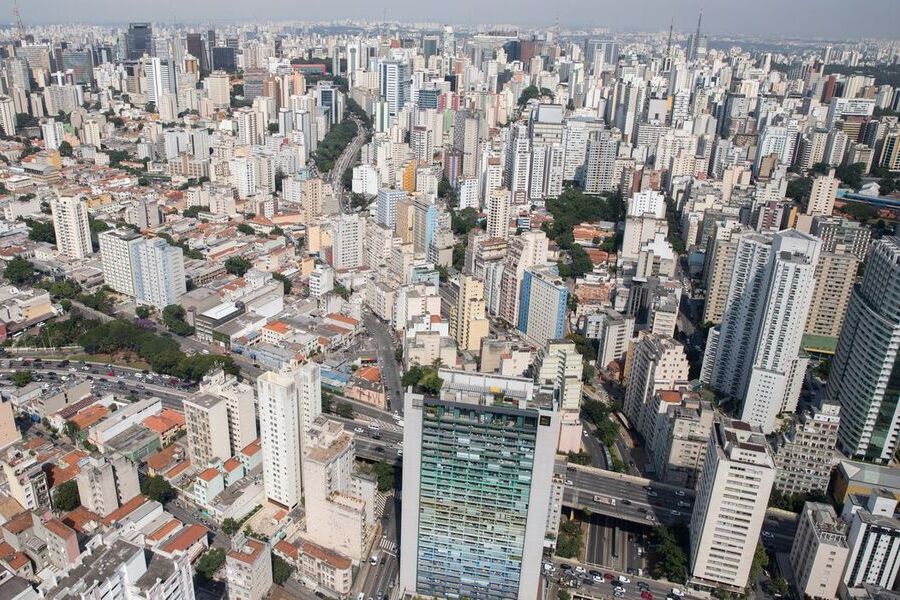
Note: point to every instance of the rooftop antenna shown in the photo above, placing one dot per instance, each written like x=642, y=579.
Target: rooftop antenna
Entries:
x=18, y=16
x=669, y=44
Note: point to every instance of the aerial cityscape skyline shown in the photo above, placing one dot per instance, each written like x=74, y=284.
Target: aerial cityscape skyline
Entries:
x=601, y=305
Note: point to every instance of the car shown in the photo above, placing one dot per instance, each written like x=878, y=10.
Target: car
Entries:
x=360, y=596
x=642, y=509
x=675, y=513
x=358, y=429
x=565, y=568
x=684, y=504
x=630, y=571
x=374, y=560
x=678, y=592
x=580, y=570
x=609, y=577
x=110, y=373
x=379, y=449
x=768, y=534
x=619, y=592
x=617, y=584
x=626, y=502
x=652, y=493
x=642, y=585
x=624, y=579
x=595, y=574
x=72, y=369
x=679, y=492
x=569, y=482
x=646, y=595
x=598, y=578
x=650, y=517
x=400, y=452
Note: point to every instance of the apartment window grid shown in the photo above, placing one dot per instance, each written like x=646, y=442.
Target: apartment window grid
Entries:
x=476, y=480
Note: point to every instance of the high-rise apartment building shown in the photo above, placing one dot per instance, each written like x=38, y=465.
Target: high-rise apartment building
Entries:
x=239, y=401
x=600, y=165
x=339, y=504
x=118, y=249
x=874, y=540
x=754, y=355
x=543, y=302
x=730, y=506
x=805, y=453
x=394, y=81
x=498, y=213
x=819, y=552
x=822, y=194
x=476, y=540
x=289, y=401
x=468, y=322
x=7, y=116
x=348, y=234
x=70, y=223
x=835, y=274
x=719, y=266
x=865, y=361
x=159, y=273
x=206, y=418
x=526, y=250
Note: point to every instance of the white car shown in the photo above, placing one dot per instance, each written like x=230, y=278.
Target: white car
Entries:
x=569, y=482
x=768, y=534
x=677, y=592
x=358, y=430
x=623, y=579
x=580, y=570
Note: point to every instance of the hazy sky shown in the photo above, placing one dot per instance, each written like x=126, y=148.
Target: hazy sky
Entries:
x=812, y=18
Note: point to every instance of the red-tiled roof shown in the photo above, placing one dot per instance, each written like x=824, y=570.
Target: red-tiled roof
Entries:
x=252, y=448
x=166, y=529
x=185, y=538
x=125, y=510
x=209, y=474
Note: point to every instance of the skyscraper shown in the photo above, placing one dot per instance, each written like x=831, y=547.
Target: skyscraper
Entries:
x=138, y=40
x=864, y=372
x=754, y=355
x=394, y=79
x=732, y=495
x=485, y=540
x=289, y=401
x=467, y=317
x=7, y=116
x=498, y=213
x=70, y=222
x=159, y=273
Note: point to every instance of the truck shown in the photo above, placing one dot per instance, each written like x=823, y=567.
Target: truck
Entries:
x=604, y=499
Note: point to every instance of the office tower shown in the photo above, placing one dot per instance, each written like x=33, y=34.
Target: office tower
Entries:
x=754, y=355
x=239, y=402
x=339, y=505
x=498, y=213
x=289, y=401
x=70, y=222
x=160, y=74
x=730, y=505
x=543, y=303
x=601, y=55
x=138, y=40
x=874, y=540
x=97, y=486
x=424, y=221
x=430, y=45
x=526, y=250
x=206, y=417
x=862, y=371
x=841, y=108
x=394, y=81
x=656, y=363
x=248, y=569
x=118, y=249
x=224, y=59
x=890, y=148
x=467, y=317
x=819, y=552
x=822, y=194
x=348, y=233
x=7, y=116
x=328, y=96
x=600, y=164
x=386, y=206
x=804, y=454
x=218, y=88
x=835, y=275
x=478, y=541
x=196, y=47
x=644, y=219
x=52, y=133
x=159, y=273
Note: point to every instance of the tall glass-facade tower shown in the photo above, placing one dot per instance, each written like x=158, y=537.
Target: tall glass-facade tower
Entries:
x=476, y=491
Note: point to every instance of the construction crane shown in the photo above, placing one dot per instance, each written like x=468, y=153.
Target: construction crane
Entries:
x=18, y=16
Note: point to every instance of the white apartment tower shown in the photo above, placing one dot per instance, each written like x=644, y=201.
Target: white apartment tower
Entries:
x=70, y=222
x=730, y=506
x=289, y=401
x=754, y=355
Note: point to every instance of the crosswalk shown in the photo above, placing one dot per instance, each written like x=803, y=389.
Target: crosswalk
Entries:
x=388, y=545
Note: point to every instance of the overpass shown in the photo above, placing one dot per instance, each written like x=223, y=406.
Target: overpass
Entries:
x=653, y=503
